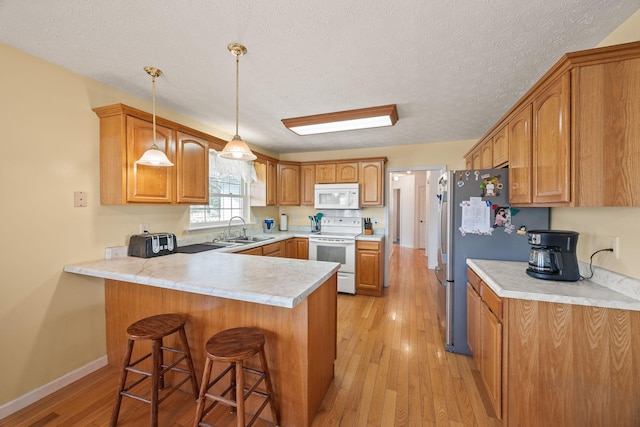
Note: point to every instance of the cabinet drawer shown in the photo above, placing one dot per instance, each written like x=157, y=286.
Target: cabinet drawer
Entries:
x=474, y=279
x=372, y=246
x=274, y=249
x=493, y=301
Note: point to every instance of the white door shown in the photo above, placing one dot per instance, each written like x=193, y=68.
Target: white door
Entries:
x=422, y=217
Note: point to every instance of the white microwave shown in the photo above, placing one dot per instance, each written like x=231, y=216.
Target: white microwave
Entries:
x=337, y=196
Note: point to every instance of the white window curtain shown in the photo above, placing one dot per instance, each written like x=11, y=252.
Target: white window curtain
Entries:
x=220, y=167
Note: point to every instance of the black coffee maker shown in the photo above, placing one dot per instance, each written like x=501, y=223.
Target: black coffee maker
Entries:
x=553, y=255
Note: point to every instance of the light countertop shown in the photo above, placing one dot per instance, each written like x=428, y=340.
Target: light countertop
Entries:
x=281, y=282
x=508, y=279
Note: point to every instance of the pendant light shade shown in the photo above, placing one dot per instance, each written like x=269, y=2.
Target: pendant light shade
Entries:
x=154, y=156
x=237, y=149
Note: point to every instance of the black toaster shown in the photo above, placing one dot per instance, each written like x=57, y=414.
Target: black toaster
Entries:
x=150, y=245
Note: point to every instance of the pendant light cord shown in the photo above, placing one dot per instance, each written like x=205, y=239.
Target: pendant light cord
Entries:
x=153, y=101
x=237, y=89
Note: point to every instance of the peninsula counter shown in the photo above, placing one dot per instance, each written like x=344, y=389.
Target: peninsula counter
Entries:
x=294, y=302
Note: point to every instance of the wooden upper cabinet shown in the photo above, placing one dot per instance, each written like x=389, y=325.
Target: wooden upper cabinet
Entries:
x=520, y=137
x=500, y=143
x=326, y=173
x=347, y=172
x=371, y=183
x=125, y=134
x=148, y=184
x=476, y=159
x=272, y=183
x=468, y=162
x=551, y=143
x=263, y=189
x=258, y=188
x=333, y=173
x=192, y=177
x=607, y=134
x=307, y=184
x=288, y=184
x=486, y=155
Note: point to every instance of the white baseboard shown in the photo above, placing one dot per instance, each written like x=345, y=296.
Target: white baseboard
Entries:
x=55, y=385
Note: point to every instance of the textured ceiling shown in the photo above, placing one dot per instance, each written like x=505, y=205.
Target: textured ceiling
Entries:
x=452, y=67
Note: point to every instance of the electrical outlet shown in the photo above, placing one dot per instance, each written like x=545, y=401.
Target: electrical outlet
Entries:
x=614, y=243
x=144, y=228
x=295, y=217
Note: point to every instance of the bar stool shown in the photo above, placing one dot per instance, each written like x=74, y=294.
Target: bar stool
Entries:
x=234, y=347
x=154, y=329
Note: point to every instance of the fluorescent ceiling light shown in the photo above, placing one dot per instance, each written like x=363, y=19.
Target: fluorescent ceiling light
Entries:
x=364, y=118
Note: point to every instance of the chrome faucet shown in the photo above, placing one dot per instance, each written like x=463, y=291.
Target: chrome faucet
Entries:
x=244, y=229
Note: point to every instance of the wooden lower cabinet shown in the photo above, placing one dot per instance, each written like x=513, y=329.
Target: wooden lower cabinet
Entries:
x=484, y=336
x=473, y=322
x=297, y=247
x=369, y=268
x=560, y=364
x=490, y=339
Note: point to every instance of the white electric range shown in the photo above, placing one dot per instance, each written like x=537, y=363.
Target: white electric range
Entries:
x=336, y=242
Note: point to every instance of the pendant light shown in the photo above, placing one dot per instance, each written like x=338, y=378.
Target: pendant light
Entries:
x=154, y=156
x=237, y=149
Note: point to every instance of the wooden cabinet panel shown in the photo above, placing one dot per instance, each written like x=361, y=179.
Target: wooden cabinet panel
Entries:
x=252, y=251
x=476, y=159
x=347, y=172
x=607, y=134
x=288, y=184
x=302, y=247
x=473, y=322
x=372, y=183
x=326, y=173
x=272, y=183
x=369, y=268
x=148, y=184
x=486, y=155
x=258, y=188
x=468, y=162
x=520, y=143
x=484, y=336
x=571, y=365
x=491, y=357
x=500, y=142
x=551, y=143
x=192, y=169
x=307, y=184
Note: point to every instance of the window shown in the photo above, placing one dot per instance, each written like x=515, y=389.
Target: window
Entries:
x=228, y=193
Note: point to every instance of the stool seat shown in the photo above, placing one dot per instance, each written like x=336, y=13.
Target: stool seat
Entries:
x=234, y=344
x=234, y=347
x=155, y=329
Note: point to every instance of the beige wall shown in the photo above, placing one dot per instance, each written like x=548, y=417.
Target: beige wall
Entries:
x=53, y=322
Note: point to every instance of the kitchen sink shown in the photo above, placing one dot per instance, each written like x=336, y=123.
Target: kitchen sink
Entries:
x=250, y=239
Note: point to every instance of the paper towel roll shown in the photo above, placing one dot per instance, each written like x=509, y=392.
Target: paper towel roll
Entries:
x=283, y=222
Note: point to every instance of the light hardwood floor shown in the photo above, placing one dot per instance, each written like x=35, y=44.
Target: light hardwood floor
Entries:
x=391, y=370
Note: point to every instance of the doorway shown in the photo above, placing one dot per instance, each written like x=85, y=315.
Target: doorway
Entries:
x=412, y=211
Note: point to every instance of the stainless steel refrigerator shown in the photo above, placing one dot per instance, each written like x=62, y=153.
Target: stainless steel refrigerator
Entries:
x=476, y=221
